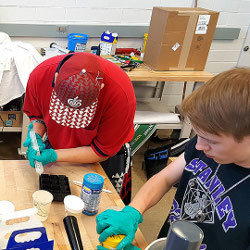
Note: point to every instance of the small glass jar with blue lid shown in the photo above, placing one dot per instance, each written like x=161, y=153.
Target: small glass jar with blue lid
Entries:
x=91, y=193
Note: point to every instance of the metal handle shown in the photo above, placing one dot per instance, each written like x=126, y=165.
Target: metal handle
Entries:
x=246, y=48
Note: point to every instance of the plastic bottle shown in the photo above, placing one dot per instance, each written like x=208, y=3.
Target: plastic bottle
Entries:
x=113, y=241
x=114, y=44
x=144, y=42
x=77, y=42
x=108, y=43
x=91, y=193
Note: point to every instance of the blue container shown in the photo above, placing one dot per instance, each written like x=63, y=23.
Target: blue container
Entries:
x=77, y=42
x=91, y=193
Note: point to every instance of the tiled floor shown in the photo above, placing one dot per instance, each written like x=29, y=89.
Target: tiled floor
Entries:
x=153, y=218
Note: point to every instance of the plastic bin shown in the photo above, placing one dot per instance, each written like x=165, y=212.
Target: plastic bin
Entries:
x=77, y=42
x=57, y=185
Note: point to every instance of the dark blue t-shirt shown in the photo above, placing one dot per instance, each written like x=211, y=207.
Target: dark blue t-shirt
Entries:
x=202, y=198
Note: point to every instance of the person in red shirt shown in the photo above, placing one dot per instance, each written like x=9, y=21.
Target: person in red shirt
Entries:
x=84, y=103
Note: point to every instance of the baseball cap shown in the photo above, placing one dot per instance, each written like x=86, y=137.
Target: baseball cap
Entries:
x=74, y=99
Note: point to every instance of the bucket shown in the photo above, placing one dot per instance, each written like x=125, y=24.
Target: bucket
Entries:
x=158, y=244
x=77, y=42
x=183, y=235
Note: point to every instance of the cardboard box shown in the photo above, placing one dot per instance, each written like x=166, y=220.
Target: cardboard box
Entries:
x=10, y=118
x=171, y=159
x=179, y=38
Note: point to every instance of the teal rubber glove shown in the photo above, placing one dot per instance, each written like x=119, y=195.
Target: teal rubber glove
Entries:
x=28, y=141
x=31, y=153
x=46, y=156
x=111, y=222
x=128, y=247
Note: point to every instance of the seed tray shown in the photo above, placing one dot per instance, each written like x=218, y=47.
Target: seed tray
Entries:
x=58, y=185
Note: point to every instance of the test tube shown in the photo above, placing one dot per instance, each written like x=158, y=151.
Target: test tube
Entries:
x=38, y=165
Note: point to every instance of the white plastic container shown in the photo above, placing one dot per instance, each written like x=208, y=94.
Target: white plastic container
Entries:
x=73, y=204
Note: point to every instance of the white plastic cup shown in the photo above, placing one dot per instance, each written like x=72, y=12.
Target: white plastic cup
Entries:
x=6, y=207
x=73, y=204
x=42, y=201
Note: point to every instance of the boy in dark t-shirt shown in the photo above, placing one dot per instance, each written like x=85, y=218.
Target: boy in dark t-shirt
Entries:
x=211, y=198
x=213, y=173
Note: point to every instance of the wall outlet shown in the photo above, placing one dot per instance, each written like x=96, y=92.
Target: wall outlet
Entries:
x=62, y=29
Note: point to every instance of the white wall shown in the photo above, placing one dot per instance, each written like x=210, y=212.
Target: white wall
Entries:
x=82, y=11
x=104, y=12
x=233, y=14
x=223, y=54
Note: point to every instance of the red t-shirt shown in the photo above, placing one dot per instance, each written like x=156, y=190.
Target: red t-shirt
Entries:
x=112, y=125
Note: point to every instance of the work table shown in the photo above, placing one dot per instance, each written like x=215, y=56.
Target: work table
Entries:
x=144, y=73
x=18, y=181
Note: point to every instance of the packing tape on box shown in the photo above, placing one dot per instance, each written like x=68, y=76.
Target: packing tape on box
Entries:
x=186, y=46
x=188, y=39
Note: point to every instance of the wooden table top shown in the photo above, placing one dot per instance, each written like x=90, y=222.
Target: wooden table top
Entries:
x=144, y=73
x=18, y=181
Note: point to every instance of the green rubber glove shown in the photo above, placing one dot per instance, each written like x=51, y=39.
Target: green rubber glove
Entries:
x=31, y=153
x=128, y=247
x=46, y=156
x=28, y=141
x=111, y=222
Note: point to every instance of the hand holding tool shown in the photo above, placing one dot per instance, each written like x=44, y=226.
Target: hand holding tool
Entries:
x=28, y=142
x=111, y=222
x=46, y=156
x=128, y=247
x=38, y=165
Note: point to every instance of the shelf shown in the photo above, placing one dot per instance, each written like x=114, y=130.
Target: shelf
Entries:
x=169, y=126
x=11, y=129
x=148, y=99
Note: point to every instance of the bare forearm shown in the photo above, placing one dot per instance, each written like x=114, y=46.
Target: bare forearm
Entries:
x=83, y=154
x=150, y=193
x=156, y=187
x=39, y=128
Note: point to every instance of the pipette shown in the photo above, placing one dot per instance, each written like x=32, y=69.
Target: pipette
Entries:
x=78, y=183
x=38, y=165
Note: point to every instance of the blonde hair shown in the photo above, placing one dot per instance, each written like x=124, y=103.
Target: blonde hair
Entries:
x=222, y=105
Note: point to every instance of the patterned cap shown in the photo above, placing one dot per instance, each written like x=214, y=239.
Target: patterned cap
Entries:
x=74, y=98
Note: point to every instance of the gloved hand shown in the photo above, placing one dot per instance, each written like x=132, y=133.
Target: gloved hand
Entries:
x=128, y=247
x=28, y=141
x=111, y=222
x=31, y=153
x=46, y=156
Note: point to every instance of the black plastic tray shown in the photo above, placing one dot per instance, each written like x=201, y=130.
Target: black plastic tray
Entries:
x=58, y=185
